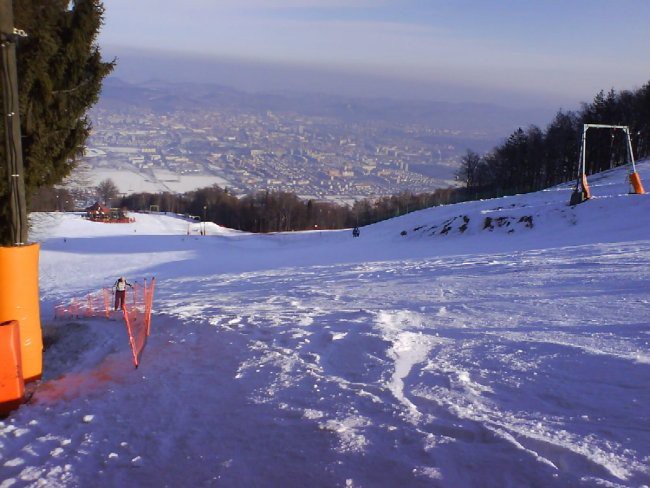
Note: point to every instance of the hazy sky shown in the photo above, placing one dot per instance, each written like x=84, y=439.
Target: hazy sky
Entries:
x=555, y=51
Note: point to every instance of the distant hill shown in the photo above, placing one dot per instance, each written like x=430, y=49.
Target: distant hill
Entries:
x=480, y=119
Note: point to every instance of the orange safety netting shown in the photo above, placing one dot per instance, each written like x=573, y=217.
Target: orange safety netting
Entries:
x=92, y=305
x=138, y=304
x=137, y=315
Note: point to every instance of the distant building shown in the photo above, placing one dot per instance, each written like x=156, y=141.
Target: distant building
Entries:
x=101, y=213
x=97, y=212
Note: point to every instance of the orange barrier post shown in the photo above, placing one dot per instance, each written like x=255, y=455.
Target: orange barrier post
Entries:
x=89, y=306
x=12, y=387
x=635, y=182
x=145, y=295
x=74, y=308
x=149, y=305
x=19, y=301
x=136, y=349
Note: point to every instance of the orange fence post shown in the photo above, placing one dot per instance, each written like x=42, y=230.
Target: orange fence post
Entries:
x=149, y=305
x=89, y=306
x=129, y=330
x=12, y=386
x=19, y=300
x=107, y=302
x=147, y=292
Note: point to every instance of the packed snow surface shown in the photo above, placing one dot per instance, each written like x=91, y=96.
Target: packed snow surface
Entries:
x=500, y=343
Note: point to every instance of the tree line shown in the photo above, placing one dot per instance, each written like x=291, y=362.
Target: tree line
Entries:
x=533, y=159
x=262, y=211
x=278, y=211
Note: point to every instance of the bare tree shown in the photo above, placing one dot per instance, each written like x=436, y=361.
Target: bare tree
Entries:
x=469, y=165
x=107, y=191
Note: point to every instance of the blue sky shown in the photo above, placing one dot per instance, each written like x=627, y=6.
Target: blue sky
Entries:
x=554, y=50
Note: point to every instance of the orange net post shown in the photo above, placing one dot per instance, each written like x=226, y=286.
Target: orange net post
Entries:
x=59, y=312
x=74, y=308
x=132, y=335
x=67, y=311
x=137, y=330
x=145, y=299
x=89, y=306
x=106, y=293
x=149, y=304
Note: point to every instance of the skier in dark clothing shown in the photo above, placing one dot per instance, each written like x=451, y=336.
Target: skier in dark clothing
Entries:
x=120, y=292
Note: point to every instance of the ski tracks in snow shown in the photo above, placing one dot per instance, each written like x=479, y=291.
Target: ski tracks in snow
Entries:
x=524, y=369
x=439, y=357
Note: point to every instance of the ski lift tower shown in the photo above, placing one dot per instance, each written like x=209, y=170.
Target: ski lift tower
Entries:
x=13, y=147
x=21, y=337
x=582, y=191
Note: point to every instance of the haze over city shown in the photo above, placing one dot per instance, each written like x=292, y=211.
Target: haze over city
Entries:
x=551, y=53
x=342, y=99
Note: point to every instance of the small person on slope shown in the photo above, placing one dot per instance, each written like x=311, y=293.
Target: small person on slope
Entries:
x=120, y=292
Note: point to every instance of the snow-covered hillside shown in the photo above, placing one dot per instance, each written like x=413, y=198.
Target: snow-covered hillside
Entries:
x=502, y=343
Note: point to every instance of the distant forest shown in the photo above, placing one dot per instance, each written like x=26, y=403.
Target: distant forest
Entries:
x=281, y=211
x=532, y=159
x=528, y=160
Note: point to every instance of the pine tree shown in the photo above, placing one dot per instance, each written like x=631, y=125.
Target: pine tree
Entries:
x=60, y=73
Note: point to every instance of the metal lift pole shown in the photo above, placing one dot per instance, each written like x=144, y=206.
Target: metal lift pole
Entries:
x=583, y=163
x=630, y=153
x=13, y=145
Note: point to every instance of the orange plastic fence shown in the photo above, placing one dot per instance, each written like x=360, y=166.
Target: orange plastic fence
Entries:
x=92, y=305
x=136, y=312
x=137, y=316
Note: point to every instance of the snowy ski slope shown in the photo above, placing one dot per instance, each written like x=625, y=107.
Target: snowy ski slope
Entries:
x=501, y=343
